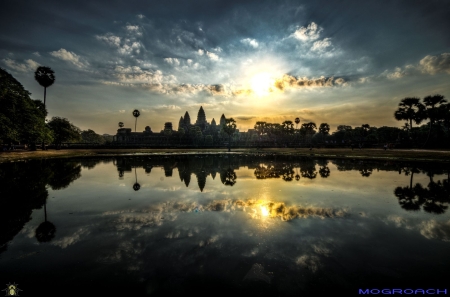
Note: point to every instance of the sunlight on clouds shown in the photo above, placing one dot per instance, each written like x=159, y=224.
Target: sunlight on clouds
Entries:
x=251, y=42
x=28, y=66
x=311, y=32
x=71, y=57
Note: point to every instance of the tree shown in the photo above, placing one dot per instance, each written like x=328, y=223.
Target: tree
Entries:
x=136, y=114
x=309, y=128
x=89, y=136
x=63, y=131
x=432, y=104
x=229, y=128
x=21, y=118
x=324, y=129
x=45, y=76
x=410, y=109
x=287, y=128
x=121, y=124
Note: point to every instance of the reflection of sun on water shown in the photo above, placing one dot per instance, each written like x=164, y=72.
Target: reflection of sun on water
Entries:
x=264, y=211
x=261, y=84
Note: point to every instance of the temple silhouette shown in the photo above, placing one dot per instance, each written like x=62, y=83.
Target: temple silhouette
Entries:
x=125, y=135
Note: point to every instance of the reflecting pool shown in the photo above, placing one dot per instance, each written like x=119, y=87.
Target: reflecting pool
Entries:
x=223, y=224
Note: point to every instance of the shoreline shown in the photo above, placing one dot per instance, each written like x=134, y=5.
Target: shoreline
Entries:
x=334, y=153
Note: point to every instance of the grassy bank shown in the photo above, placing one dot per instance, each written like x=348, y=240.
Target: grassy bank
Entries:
x=379, y=154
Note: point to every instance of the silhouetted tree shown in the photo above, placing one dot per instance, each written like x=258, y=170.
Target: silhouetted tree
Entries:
x=432, y=104
x=229, y=128
x=136, y=114
x=63, y=131
x=45, y=76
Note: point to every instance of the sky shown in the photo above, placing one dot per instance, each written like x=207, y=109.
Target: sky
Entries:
x=343, y=62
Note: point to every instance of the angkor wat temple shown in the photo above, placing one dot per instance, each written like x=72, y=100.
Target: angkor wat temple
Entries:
x=185, y=129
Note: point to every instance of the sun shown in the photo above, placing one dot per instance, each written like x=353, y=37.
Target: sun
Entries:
x=261, y=84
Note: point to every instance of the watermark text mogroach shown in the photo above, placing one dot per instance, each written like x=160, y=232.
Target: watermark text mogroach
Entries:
x=402, y=291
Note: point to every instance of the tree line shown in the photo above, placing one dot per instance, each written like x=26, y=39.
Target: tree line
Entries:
x=23, y=120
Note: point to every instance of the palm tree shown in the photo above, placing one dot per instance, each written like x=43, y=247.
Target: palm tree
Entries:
x=410, y=109
x=287, y=128
x=45, y=76
x=309, y=128
x=432, y=104
x=324, y=129
x=121, y=124
x=136, y=114
x=229, y=128
x=297, y=121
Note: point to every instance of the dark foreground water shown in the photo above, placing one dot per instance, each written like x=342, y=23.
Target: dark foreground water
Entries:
x=222, y=225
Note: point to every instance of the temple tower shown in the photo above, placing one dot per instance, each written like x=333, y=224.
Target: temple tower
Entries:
x=201, y=119
x=181, y=123
x=222, y=120
x=187, y=119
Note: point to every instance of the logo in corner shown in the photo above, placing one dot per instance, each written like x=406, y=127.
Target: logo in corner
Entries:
x=12, y=290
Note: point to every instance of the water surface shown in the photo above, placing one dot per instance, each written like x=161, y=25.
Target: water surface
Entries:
x=220, y=225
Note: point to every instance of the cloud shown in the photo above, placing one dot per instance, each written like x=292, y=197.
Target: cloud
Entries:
x=250, y=42
x=200, y=52
x=124, y=46
x=245, y=118
x=172, y=61
x=212, y=56
x=311, y=32
x=37, y=54
x=436, y=230
x=68, y=56
x=170, y=107
x=436, y=64
x=133, y=30
x=428, y=65
x=322, y=45
x=140, y=16
x=301, y=82
x=110, y=39
x=28, y=66
x=122, y=111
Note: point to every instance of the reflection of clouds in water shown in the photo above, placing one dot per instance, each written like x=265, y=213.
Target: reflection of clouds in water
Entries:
x=287, y=213
x=398, y=222
x=257, y=273
x=310, y=262
x=321, y=249
x=72, y=239
x=126, y=252
x=435, y=230
x=431, y=229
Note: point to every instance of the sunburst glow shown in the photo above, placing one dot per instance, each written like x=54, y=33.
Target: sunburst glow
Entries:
x=261, y=83
x=264, y=211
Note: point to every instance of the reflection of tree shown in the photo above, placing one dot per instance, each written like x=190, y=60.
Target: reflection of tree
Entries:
x=136, y=185
x=46, y=230
x=228, y=177
x=436, y=197
x=324, y=171
x=433, y=199
x=63, y=173
x=409, y=198
x=287, y=172
x=366, y=172
x=23, y=188
x=308, y=169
